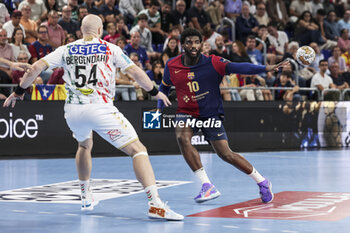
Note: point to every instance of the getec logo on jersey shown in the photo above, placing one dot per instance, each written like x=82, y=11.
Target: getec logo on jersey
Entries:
x=151, y=120
x=88, y=49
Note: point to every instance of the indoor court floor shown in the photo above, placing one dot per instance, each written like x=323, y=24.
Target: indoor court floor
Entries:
x=312, y=194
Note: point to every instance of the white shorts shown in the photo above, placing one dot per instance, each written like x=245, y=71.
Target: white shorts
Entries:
x=105, y=120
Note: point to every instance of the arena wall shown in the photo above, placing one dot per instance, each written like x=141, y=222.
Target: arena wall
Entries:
x=39, y=128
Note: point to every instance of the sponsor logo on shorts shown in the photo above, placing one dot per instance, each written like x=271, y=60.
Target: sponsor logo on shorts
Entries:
x=114, y=134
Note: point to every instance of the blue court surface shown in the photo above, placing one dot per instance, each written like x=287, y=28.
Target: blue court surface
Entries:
x=312, y=194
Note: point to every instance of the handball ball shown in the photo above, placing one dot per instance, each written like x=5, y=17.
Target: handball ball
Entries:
x=305, y=55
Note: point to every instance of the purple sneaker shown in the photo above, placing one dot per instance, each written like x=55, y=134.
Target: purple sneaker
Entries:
x=266, y=193
x=208, y=192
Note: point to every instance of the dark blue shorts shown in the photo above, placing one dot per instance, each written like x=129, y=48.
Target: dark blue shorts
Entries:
x=211, y=130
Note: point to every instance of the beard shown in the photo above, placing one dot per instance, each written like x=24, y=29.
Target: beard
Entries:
x=189, y=53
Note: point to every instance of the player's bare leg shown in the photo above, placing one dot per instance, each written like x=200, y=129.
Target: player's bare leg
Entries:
x=83, y=159
x=189, y=152
x=192, y=157
x=142, y=166
x=145, y=175
x=84, y=166
x=223, y=150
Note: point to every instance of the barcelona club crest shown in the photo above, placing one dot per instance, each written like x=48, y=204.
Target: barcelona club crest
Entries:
x=190, y=75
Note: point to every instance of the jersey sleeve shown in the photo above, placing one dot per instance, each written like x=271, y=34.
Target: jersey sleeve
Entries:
x=224, y=66
x=55, y=58
x=164, y=86
x=244, y=68
x=121, y=60
x=219, y=64
x=166, y=76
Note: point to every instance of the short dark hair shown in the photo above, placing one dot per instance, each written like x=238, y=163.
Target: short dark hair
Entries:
x=81, y=7
x=154, y=3
x=287, y=73
x=42, y=26
x=190, y=32
x=321, y=12
x=331, y=11
x=251, y=36
x=273, y=24
x=323, y=60
x=167, y=2
x=343, y=30
x=142, y=17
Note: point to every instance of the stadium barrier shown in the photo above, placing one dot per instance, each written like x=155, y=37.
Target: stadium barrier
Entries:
x=272, y=89
x=38, y=128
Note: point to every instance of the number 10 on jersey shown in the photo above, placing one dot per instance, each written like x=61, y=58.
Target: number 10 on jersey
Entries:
x=193, y=86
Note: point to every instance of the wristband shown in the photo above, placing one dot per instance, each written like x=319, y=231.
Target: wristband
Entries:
x=153, y=92
x=19, y=90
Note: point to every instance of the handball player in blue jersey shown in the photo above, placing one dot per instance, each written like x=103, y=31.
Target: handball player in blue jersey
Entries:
x=196, y=78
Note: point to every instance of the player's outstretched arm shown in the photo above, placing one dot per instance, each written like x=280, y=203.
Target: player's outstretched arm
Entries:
x=249, y=68
x=145, y=82
x=15, y=65
x=27, y=80
x=277, y=66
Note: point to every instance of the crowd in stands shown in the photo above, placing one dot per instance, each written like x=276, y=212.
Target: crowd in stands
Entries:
x=148, y=31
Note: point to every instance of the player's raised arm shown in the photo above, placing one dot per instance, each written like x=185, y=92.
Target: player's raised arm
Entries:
x=27, y=80
x=144, y=81
x=15, y=65
x=223, y=66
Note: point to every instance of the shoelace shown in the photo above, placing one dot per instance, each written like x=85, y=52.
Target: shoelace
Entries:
x=165, y=205
x=263, y=187
x=204, y=189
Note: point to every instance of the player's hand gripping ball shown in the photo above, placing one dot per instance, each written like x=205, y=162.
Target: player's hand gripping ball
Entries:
x=305, y=55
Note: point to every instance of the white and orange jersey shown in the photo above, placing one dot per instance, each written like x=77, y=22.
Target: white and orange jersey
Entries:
x=89, y=69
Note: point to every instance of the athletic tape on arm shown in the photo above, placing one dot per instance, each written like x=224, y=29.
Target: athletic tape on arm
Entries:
x=140, y=153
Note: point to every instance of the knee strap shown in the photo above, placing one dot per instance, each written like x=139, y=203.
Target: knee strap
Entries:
x=140, y=153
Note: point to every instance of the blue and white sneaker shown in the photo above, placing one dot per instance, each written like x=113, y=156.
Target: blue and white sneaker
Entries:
x=87, y=201
x=208, y=192
x=266, y=193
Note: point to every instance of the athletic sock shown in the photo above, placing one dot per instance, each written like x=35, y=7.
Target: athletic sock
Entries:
x=152, y=194
x=202, y=175
x=256, y=176
x=84, y=186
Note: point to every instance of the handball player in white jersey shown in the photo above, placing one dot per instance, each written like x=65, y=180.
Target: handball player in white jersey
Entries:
x=90, y=66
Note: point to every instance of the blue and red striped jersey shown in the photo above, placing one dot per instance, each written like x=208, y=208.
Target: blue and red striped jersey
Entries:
x=197, y=87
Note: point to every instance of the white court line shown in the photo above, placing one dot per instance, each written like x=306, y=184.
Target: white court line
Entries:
x=259, y=229
x=45, y=213
x=287, y=231
x=202, y=224
x=122, y=218
x=68, y=214
x=228, y=226
x=96, y=216
x=20, y=211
